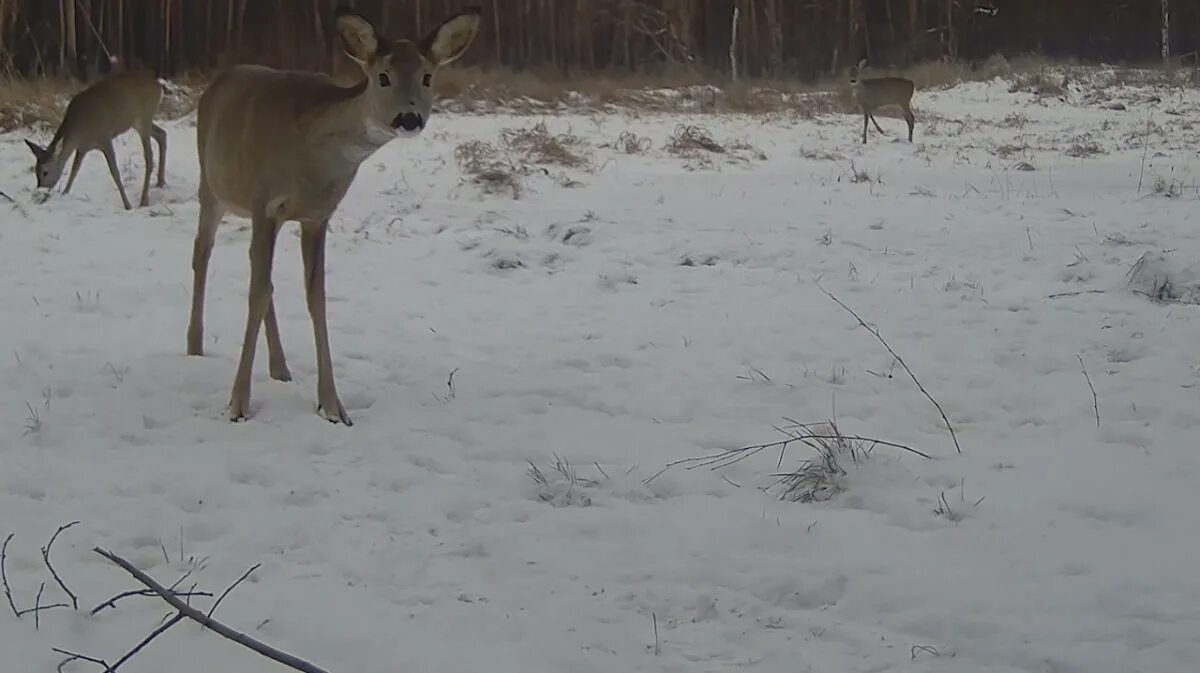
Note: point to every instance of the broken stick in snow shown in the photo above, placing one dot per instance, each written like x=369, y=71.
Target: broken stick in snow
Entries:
x=199, y=617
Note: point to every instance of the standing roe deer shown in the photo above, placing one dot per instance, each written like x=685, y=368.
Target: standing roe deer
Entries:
x=876, y=92
x=279, y=145
x=94, y=117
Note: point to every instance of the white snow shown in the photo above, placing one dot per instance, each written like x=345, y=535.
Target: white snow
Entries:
x=417, y=541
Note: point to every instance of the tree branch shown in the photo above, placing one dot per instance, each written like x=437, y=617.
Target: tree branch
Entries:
x=195, y=615
x=54, y=573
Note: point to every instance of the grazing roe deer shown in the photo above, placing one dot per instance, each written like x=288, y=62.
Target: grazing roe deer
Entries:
x=277, y=146
x=96, y=115
x=876, y=92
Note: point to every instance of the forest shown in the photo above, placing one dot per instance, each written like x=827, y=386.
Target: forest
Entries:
x=801, y=39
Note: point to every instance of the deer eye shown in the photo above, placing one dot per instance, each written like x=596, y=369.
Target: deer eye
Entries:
x=384, y=80
x=427, y=79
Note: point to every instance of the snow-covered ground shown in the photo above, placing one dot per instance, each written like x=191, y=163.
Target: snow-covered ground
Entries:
x=649, y=309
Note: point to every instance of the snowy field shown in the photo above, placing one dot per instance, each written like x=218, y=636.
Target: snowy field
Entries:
x=624, y=315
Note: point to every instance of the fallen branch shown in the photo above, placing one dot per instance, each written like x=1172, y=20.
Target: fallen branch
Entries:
x=1060, y=295
x=54, y=573
x=875, y=332
x=1095, y=399
x=195, y=615
x=145, y=641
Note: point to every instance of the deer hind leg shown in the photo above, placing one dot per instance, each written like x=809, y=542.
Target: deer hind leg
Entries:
x=264, y=231
x=111, y=157
x=160, y=137
x=211, y=213
x=79, y=154
x=912, y=121
x=148, y=157
x=312, y=245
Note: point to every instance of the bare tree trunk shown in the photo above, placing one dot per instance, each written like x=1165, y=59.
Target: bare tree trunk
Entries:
x=1166, y=32
x=733, y=43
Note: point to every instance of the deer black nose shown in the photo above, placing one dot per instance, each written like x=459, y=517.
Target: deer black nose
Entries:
x=409, y=121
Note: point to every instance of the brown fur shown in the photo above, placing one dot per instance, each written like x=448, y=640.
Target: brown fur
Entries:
x=96, y=115
x=276, y=146
x=877, y=92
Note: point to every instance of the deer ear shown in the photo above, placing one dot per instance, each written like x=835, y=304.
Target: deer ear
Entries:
x=450, y=40
x=862, y=64
x=37, y=151
x=358, y=35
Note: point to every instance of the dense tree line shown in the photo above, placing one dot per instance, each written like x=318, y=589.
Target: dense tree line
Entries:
x=776, y=38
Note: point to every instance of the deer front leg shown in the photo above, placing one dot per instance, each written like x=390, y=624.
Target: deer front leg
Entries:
x=264, y=231
x=865, y=118
x=79, y=154
x=211, y=213
x=877, y=127
x=312, y=245
x=111, y=157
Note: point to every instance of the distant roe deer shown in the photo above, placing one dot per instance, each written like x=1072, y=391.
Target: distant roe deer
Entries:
x=94, y=117
x=278, y=146
x=876, y=92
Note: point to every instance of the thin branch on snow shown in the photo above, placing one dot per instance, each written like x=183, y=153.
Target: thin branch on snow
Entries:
x=145, y=642
x=1095, y=399
x=4, y=575
x=112, y=602
x=195, y=615
x=1060, y=295
x=37, y=608
x=231, y=588
x=14, y=204
x=54, y=573
x=72, y=657
x=875, y=333
x=724, y=459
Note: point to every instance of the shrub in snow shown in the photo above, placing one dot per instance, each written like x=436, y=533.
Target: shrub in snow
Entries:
x=1162, y=277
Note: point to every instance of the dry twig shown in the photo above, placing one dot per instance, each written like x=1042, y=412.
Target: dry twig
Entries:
x=112, y=602
x=875, y=333
x=724, y=459
x=1095, y=399
x=231, y=588
x=54, y=573
x=195, y=615
x=4, y=575
x=72, y=657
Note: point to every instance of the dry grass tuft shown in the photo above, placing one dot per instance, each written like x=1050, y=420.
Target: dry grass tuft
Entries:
x=698, y=147
x=1083, y=147
x=561, y=485
x=818, y=154
x=688, y=141
x=631, y=143
x=537, y=145
x=822, y=477
x=1042, y=83
x=485, y=166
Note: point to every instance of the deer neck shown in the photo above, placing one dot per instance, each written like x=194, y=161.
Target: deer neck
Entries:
x=345, y=131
